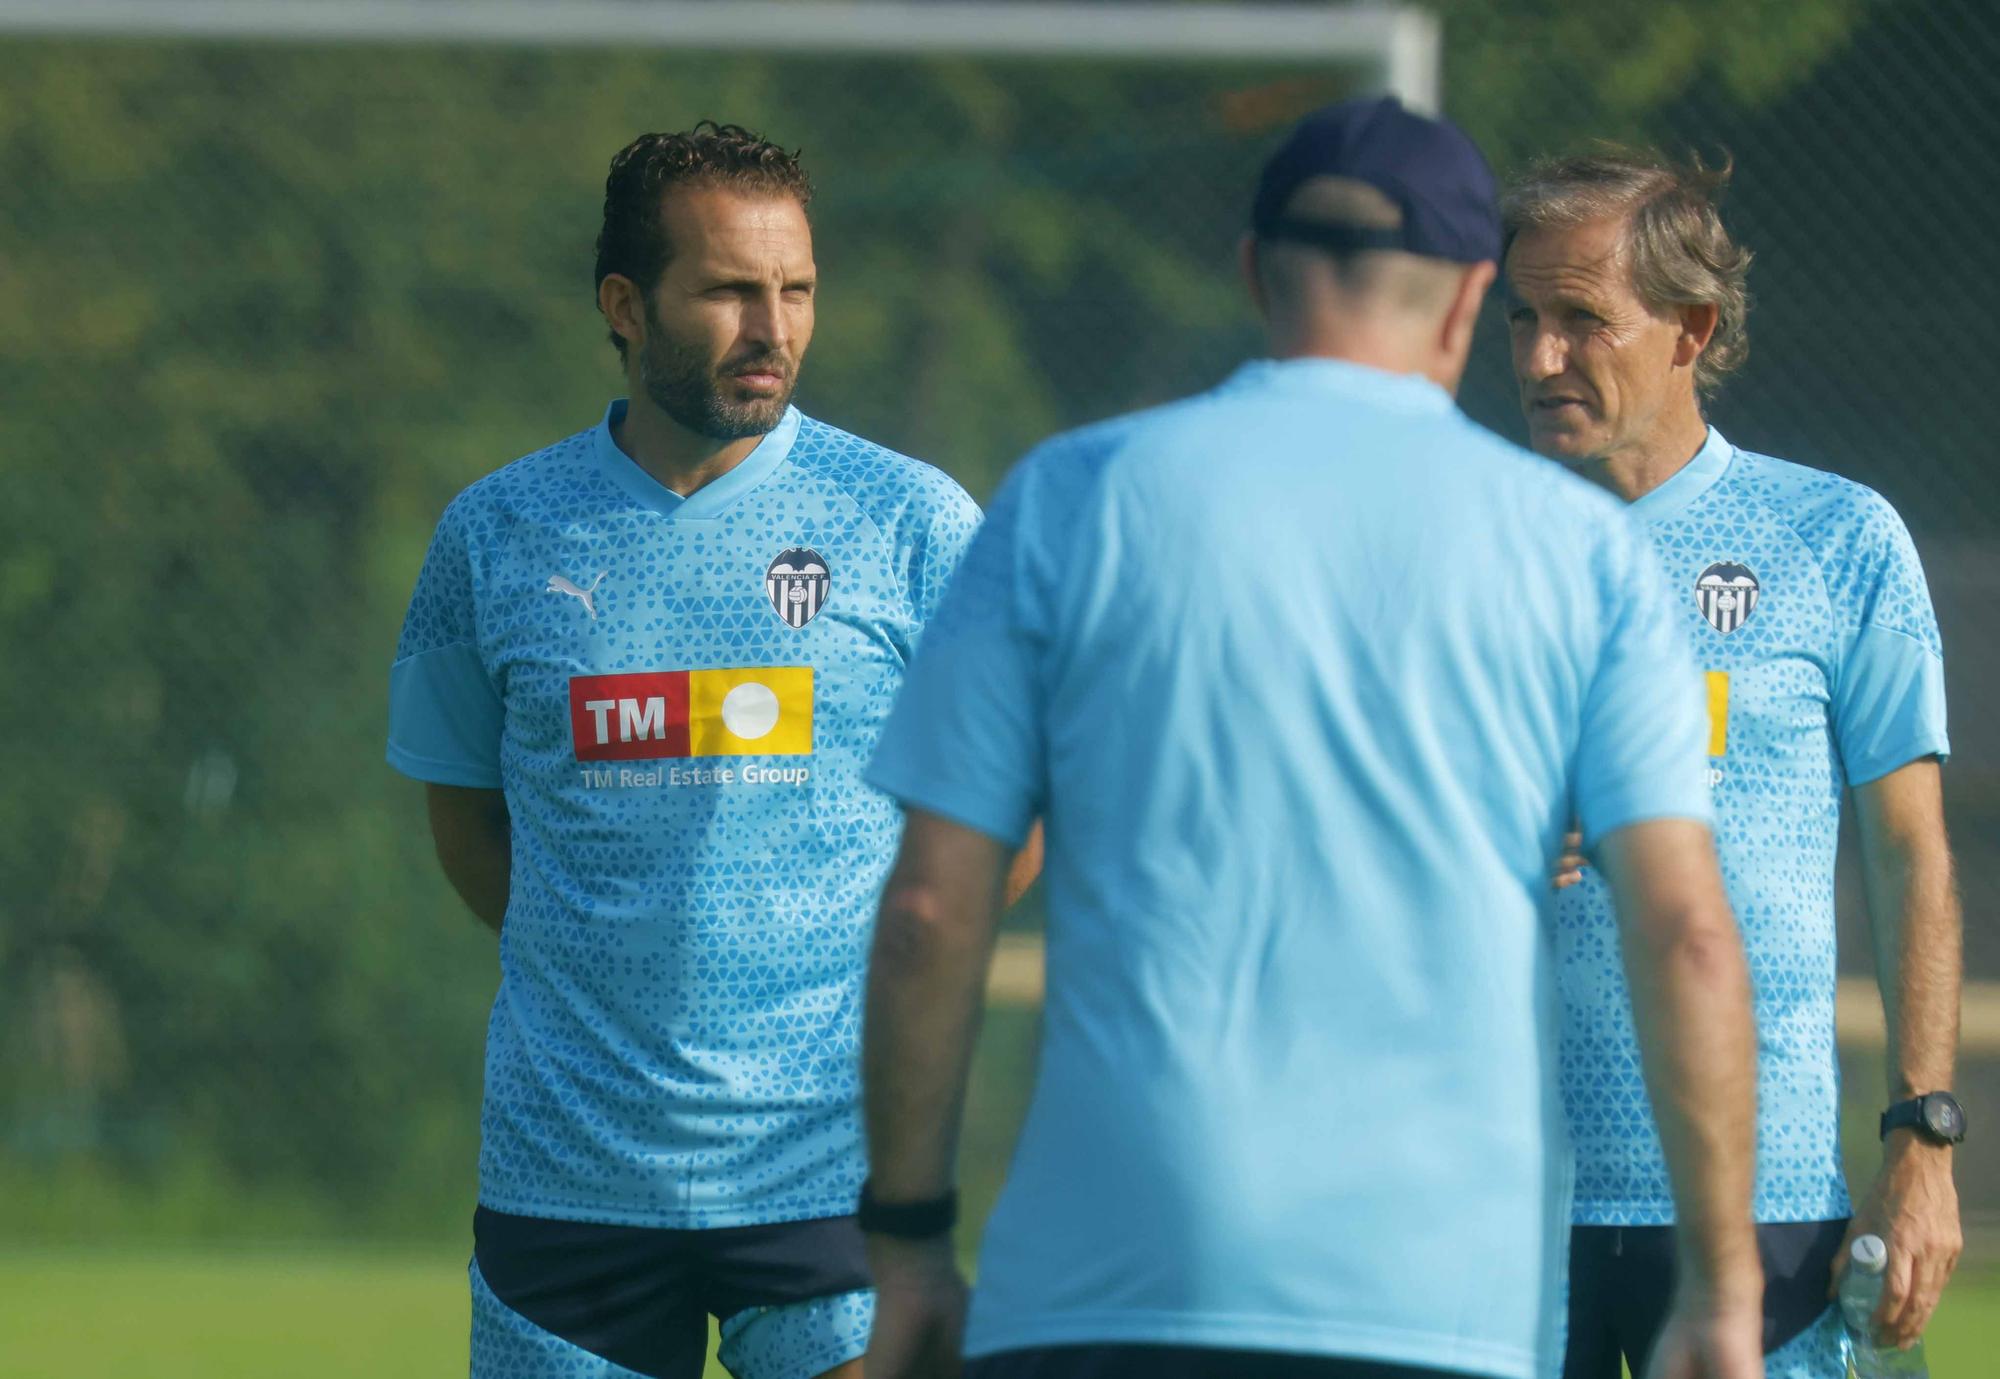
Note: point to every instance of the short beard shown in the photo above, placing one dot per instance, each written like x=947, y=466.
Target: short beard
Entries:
x=680, y=382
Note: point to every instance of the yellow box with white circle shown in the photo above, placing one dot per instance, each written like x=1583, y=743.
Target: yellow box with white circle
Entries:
x=760, y=711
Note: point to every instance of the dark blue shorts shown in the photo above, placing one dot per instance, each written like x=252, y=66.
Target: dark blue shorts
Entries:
x=1621, y=1285
x=792, y=1297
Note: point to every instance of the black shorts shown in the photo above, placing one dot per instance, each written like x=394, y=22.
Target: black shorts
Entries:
x=642, y=1297
x=1183, y=1362
x=1621, y=1283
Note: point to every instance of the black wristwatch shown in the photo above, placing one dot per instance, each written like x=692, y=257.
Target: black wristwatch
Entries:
x=1936, y=1116
x=907, y=1220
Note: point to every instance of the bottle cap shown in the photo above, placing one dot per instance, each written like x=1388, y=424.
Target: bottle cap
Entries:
x=1869, y=1254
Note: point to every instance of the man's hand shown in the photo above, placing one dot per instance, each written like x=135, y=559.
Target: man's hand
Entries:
x=920, y=1300
x=1569, y=866
x=1913, y=1206
x=1710, y=1340
x=1026, y=866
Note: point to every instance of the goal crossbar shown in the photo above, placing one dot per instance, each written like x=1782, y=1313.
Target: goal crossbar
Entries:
x=1396, y=48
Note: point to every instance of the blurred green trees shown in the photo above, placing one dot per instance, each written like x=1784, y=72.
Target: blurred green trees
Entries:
x=264, y=309
x=262, y=312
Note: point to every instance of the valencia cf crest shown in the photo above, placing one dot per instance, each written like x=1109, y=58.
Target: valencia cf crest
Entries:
x=1727, y=594
x=798, y=585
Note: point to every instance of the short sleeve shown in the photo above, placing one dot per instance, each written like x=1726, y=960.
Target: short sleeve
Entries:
x=1642, y=752
x=965, y=738
x=948, y=529
x=444, y=713
x=1888, y=694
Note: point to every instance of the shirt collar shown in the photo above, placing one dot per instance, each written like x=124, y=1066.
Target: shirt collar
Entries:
x=1688, y=483
x=710, y=499
x=1341, y=378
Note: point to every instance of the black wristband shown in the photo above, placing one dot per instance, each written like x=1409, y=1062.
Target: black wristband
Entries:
x=907, y=1220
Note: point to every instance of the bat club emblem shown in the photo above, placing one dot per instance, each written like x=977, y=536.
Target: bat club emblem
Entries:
x=1726, y=594
x=797, y=583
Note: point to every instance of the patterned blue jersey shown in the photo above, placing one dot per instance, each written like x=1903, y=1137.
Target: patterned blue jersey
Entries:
x=678, y=696
x=1809, y=614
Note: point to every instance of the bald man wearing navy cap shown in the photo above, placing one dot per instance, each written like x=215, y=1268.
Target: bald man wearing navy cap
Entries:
x=1306, y=675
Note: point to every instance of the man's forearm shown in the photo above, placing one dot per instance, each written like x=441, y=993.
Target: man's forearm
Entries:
x=926, y=990
x=481, y=878
x=474, y=841
x=1915, y=922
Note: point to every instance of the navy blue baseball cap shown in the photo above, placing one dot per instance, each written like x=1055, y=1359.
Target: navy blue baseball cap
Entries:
x=1434, y=173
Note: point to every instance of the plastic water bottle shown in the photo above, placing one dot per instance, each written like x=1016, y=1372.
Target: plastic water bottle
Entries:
x=1860, y=1294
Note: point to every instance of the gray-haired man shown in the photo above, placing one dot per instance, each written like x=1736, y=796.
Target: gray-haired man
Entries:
x=1810, y=617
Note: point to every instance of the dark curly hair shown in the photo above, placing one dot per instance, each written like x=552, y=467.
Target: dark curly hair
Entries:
x=633, y=242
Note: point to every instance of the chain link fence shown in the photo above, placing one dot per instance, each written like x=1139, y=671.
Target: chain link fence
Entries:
x=264, y=308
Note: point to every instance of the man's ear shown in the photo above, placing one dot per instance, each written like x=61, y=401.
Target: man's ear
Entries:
x=1698, y=325
x=1247, y=259
x=1463, y=317
x=623, y=307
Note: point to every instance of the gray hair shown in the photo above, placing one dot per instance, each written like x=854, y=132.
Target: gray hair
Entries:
x=1681, y=254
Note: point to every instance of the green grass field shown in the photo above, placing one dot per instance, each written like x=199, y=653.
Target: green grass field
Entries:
x=331, y=1315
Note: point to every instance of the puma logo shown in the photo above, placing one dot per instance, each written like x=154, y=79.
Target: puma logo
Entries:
x=587, y=597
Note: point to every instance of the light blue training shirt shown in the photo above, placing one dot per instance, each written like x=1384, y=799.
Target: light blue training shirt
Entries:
x=678, y=697
x=1808, y=612
x=1306, y=675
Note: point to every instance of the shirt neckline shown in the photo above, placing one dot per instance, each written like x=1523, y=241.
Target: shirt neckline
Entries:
x=1688, y=483
x=708, y=501
x=1408, y=391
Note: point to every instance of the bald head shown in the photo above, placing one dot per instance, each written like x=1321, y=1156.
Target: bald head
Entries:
x=1298, y=276
x=1385, y=307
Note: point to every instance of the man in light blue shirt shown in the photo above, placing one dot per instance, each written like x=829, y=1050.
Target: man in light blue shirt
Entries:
x=1803, y=598
x=1306, y=675
x=642, y=674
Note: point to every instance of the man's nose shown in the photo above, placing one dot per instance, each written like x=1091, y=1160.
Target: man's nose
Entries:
x=1540, y=354
x=764, y=324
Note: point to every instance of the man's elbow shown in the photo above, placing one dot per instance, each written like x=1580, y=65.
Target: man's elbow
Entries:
x=1703, y=945
x=919, y=923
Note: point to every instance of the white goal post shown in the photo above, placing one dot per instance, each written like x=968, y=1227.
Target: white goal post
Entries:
x=1391, y=48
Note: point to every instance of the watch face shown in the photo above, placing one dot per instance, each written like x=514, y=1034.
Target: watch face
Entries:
x=1943, y=1118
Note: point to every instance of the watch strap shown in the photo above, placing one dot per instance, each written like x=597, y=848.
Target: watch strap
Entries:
x=1904, y=1115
